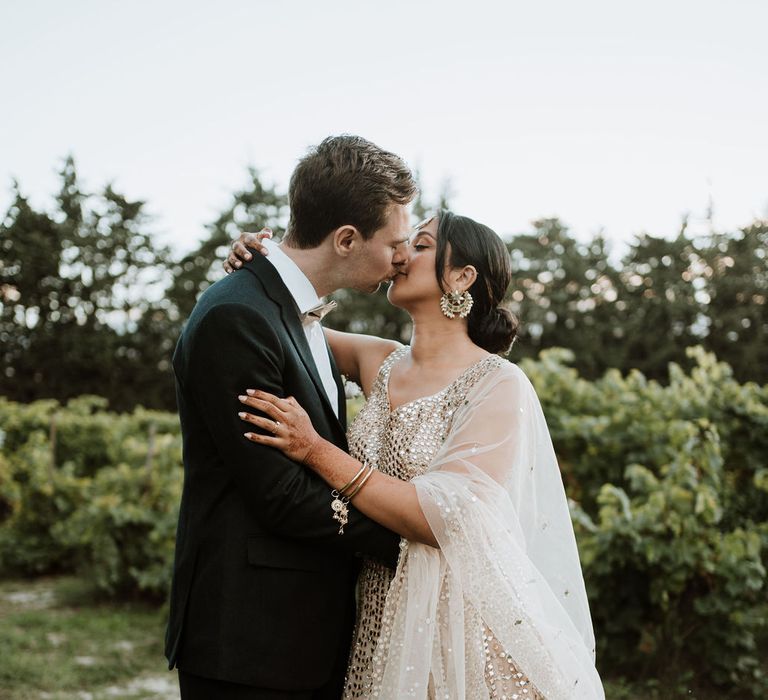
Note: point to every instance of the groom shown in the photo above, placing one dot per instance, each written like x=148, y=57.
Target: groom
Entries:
x=262, y=601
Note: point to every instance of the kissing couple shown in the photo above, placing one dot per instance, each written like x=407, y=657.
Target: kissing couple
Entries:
x=424, y=551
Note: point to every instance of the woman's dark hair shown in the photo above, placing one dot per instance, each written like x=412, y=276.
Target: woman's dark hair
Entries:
x=345, y=180
x=462, y=241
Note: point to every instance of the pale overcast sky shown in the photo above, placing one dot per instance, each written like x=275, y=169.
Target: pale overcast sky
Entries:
x=612, y=115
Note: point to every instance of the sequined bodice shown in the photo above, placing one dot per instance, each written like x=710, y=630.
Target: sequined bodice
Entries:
x=402, y=443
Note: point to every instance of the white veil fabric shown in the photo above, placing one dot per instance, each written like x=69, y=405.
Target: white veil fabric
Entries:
x=506, y=583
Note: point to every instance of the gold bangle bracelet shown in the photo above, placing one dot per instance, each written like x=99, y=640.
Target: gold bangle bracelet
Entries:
x=361, y=484
x=354, y=479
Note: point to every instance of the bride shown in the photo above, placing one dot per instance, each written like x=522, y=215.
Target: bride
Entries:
x=452, y=452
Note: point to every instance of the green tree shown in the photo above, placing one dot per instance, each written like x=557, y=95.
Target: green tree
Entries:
x=565, y=293
x=664, y=315
x=735, y=269
x=664, y=296
x=75, y=282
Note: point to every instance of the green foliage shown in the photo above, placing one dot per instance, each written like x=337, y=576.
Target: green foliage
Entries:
x=671, y=513
x=563, y=292
x=82, y=488
x=736, y=294
x=124, y=532
x=646, y=310
x=75, y=284
x=34, y=497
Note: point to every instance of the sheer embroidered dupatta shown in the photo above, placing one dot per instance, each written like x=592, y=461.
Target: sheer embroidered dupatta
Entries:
x=506, y=584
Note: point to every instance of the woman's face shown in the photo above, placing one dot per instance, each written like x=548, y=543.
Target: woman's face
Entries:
x=416, y=281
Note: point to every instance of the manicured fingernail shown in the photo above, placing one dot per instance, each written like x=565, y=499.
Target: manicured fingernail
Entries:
x=238, y=263
x=247, y=256
x=250, y=392
x=242, y=414
x=242, y=398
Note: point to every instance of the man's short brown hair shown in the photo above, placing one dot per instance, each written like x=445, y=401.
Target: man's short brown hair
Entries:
x=346, y=180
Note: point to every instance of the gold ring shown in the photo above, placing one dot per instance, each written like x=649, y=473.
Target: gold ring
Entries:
x=276, y=428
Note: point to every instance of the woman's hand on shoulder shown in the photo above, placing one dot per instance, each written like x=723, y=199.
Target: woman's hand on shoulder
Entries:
x=239, y=253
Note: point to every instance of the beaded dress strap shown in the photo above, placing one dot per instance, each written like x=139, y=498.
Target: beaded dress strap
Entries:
x=464, y=383
x=386, y=366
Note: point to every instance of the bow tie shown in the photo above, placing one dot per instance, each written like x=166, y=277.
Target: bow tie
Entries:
x=316, y=313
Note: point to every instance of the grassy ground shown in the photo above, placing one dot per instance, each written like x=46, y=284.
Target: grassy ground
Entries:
x=57, y=644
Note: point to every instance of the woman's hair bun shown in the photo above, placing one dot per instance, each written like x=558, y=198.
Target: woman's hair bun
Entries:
x=494, y=331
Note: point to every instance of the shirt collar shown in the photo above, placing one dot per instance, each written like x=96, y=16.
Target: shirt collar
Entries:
x=299, y=286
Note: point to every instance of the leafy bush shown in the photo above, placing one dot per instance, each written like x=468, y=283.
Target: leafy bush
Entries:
x=85, y=489
x=124, y=532
x=672, y=517
x=34, y=497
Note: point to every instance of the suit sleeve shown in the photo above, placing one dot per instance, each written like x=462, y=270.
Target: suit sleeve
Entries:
x=234, y=348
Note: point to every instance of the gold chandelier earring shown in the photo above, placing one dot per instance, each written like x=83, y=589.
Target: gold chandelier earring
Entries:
x=456, y=303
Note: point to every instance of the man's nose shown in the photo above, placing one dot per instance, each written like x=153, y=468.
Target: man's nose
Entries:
x=401, y=255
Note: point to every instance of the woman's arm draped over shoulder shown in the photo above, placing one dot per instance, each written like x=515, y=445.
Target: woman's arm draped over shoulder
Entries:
x=359, y=356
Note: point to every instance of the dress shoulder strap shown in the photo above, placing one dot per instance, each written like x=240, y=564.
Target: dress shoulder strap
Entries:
x=386, y=366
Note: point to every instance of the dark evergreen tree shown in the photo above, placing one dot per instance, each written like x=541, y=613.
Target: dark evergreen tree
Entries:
x=564, y=293
x=662, y=314
x=75, y=284
x=735, y=271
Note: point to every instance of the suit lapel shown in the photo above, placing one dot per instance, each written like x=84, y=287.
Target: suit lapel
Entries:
x=276, y=290
x=340, y=387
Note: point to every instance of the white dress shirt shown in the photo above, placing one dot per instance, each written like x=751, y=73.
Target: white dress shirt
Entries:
x=305, y=296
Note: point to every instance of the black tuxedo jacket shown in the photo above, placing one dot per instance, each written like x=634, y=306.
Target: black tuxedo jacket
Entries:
x=263, y=584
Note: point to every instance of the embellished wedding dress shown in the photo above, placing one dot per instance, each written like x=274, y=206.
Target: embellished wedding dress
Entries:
x=499, y=610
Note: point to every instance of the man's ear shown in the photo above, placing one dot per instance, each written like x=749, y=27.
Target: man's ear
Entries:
x=346, y=240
